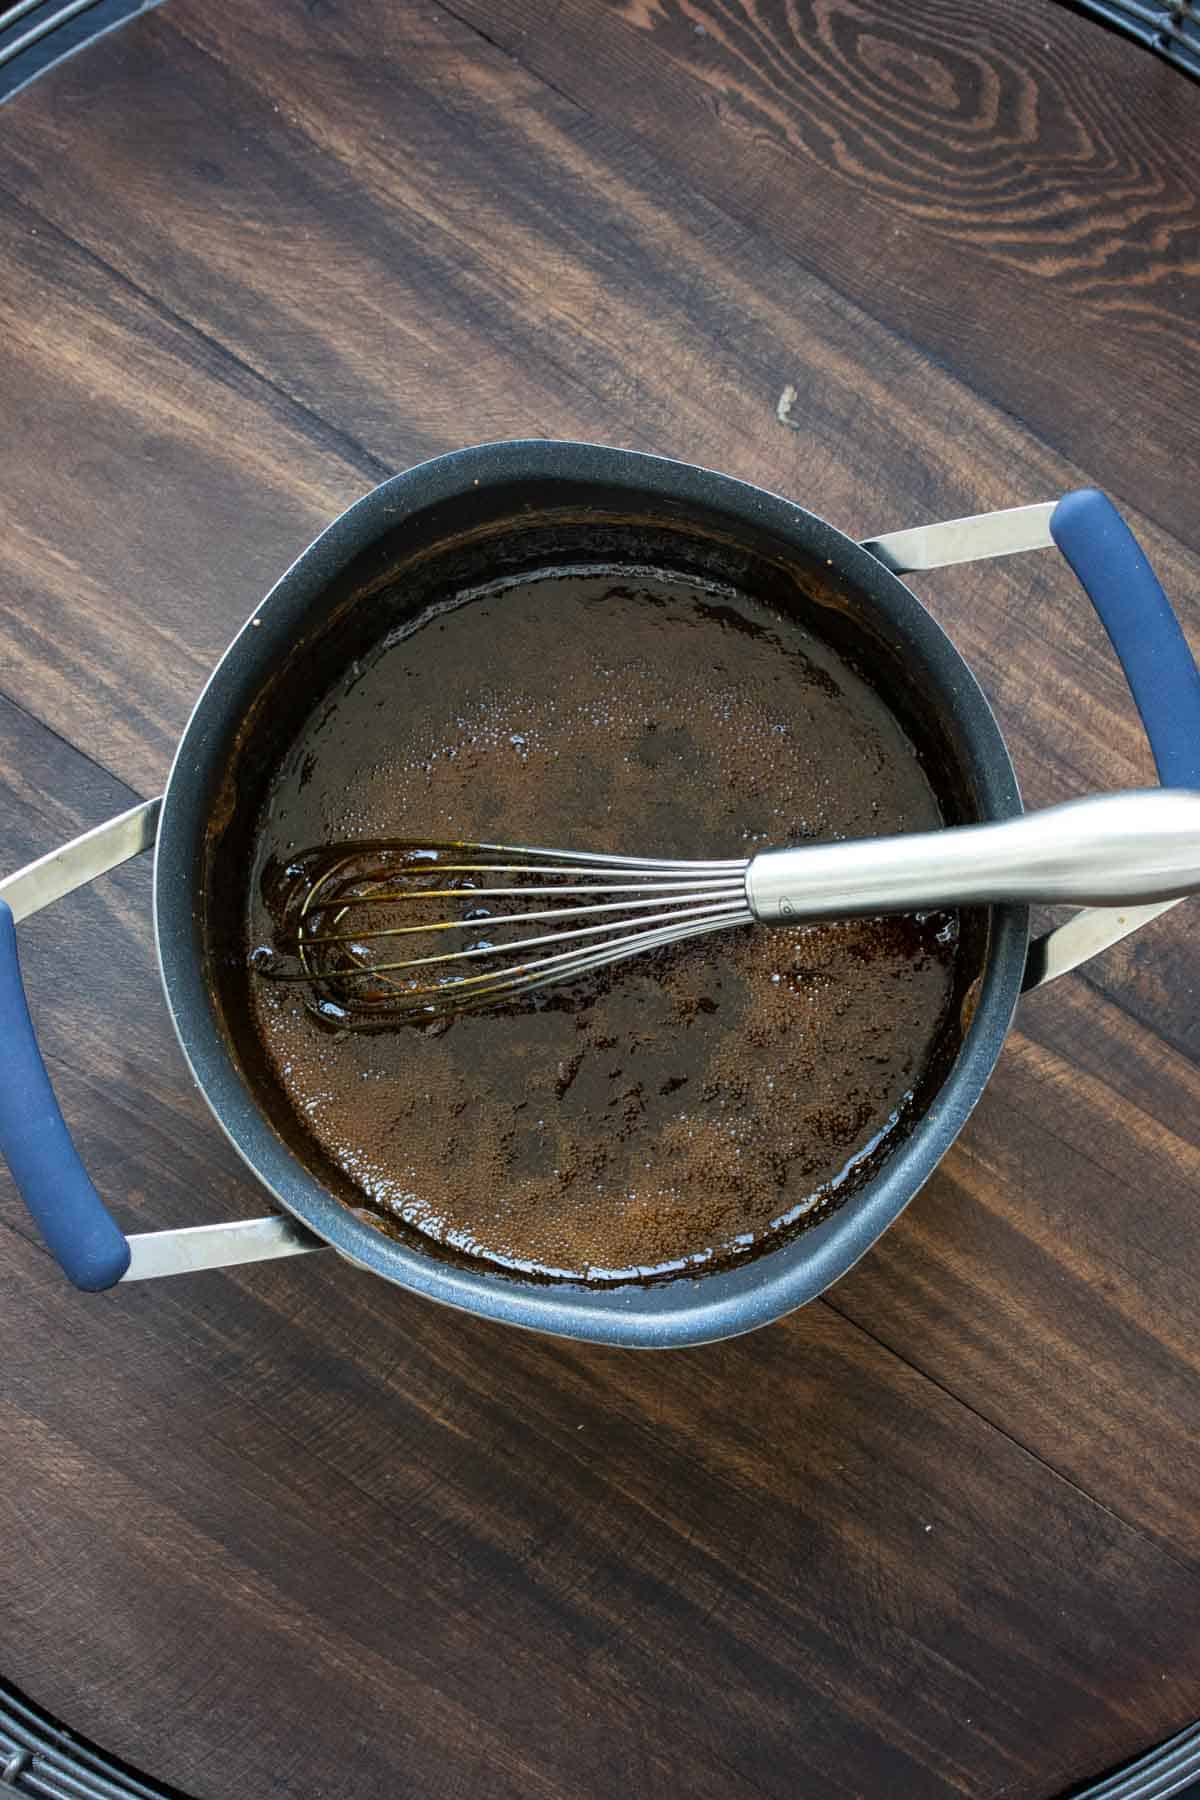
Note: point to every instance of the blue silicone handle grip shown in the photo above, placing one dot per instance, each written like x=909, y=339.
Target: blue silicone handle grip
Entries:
x=37, y=1147
x=1145, y=633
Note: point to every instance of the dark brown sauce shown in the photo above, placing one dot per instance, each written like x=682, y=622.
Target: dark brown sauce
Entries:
x=687, y=1108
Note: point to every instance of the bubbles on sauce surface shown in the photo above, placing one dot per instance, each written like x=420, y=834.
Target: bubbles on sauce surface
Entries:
x=687, y=1109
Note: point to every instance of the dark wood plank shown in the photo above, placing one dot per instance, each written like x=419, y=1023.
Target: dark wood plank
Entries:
x=288, y=1528
x=1009, y=187
x=1042, y=1276
x=156, y=487
x=304, y=1525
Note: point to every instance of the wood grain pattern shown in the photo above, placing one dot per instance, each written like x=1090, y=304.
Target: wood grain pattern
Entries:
x=287, y=1530
x=1001, y=146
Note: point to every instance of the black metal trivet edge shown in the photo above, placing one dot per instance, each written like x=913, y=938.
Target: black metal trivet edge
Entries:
x=1171, y=28
x=1170, y=1769
x=50, y=31
x=38, y=1757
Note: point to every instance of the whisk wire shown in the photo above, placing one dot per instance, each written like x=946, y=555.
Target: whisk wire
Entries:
x=603, y=908
x=521, y=945
x=531, y=855
x=466, y=990
x=727, y=892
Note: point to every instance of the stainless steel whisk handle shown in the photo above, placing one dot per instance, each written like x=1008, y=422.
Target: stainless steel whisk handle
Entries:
x=1107, y=850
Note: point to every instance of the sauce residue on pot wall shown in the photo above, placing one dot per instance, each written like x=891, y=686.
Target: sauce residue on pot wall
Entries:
x=687, y=1108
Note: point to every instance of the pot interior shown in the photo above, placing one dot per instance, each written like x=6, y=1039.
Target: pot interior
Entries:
x=325, y=622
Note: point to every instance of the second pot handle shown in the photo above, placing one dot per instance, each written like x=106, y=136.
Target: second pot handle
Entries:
x=1115, y=573
x=76, y=1226
x=1116, y=576
x=74, y=1222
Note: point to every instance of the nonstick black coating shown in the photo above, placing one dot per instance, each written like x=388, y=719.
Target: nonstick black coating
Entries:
x=436, y=530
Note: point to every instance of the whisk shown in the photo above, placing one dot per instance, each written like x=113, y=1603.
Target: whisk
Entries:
x=386, y=931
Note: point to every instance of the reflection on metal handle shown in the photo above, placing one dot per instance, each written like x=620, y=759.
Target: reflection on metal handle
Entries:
x=195, y=1247
x=973, y=539
x=72, y=865
x=1059, y=951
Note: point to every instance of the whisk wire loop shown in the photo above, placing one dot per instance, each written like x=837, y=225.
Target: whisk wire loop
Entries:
x=352, y=908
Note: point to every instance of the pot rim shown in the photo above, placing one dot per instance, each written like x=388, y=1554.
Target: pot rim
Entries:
x=684, y=1310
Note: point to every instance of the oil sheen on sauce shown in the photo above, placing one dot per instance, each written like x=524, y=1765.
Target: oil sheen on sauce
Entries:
x=684, y=1110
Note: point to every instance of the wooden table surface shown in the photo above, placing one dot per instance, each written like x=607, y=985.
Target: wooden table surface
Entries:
x=292, y=1531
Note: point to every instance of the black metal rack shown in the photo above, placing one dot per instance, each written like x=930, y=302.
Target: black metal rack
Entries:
x=1171, y=28
x=39, y=1757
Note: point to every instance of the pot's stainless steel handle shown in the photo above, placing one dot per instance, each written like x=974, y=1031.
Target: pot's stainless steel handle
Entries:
x=74, y=1221
x=191, y=1248
x=1162, y=673
x=73, y=865
x=1126, y=848
x=1077, y=940
x=974, y=539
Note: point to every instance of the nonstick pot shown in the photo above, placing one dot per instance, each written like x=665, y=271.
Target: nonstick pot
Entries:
x=431, y=534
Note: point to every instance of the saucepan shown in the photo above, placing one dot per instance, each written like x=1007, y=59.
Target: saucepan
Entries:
x=436, y=530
